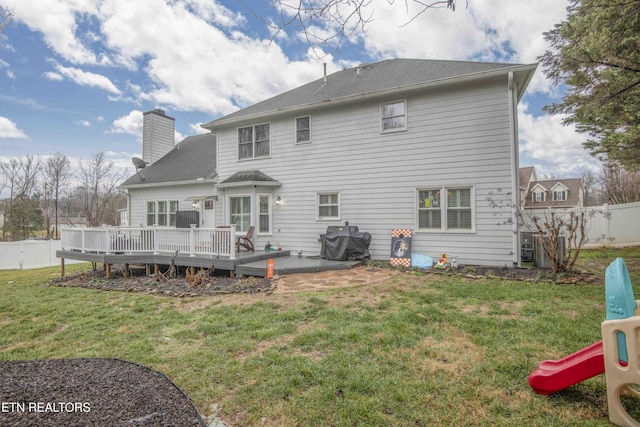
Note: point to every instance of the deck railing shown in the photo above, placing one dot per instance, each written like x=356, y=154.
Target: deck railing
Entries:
x=192, y=241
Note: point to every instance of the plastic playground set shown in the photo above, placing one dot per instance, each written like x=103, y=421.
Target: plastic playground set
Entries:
x=616, y=355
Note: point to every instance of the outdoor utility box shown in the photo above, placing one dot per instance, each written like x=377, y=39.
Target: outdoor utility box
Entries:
x=184, y=219
x=540, y=258
x=345, y=243
x=526, y=246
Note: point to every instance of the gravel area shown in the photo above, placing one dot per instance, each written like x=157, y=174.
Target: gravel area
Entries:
x=90, y=392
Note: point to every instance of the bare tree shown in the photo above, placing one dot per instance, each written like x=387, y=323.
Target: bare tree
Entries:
x=592, y=189
x=620, y=185
x=20, y=175
x=329, y=22
x=5, y=18
x=560, y=232
x=99, y=179
x=57, y=175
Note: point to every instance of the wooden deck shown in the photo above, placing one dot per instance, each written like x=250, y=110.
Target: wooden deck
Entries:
x=246, y=262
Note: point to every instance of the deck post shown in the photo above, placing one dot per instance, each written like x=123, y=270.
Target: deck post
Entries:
x=232, y=242
x=61, y=267
x=126, y=270
x=156, y=243
x=107, y=240
x=108, y=269
x=147, y=269
x=156, y=270
x=192, y=240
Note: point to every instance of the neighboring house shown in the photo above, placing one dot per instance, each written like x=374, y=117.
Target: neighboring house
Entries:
x=399, y=144
x=177, y=180
x=556, y=193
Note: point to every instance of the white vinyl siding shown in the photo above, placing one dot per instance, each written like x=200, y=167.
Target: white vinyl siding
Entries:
x=458, y=137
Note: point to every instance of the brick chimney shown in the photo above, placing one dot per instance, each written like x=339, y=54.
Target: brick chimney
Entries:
x=157, y=135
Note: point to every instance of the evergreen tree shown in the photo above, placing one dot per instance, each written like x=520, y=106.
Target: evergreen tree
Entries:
x=596, y=53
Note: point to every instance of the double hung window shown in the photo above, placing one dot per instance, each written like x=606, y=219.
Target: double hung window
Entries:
x=254, y=141
x=303, y=130
x=446, y=209
x=328, y=205
x=393, y=116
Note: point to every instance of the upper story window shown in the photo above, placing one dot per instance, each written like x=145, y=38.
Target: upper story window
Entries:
x=393, y=116
x=559, y=195
x=446, y=209
x=303, y=130
x=254, y=141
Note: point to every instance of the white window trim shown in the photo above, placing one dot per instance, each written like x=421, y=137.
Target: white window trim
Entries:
x=251, y=209
x=443, y=209
x=534, y=195
x=564, y=195
x=295, y=125
x=328, y=218
x=156, y=212
x=270, y=204
x=253, y=141
x=406, y=117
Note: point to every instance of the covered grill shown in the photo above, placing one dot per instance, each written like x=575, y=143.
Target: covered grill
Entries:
x=342, y=243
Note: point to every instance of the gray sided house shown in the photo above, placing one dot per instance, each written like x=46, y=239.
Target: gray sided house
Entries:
x=398, y=144
x=179, y=180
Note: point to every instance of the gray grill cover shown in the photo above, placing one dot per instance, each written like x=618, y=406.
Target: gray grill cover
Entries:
x=342, y=243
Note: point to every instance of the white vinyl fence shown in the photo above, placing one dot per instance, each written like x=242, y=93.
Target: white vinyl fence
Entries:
x=614, y=226
x=30, y=254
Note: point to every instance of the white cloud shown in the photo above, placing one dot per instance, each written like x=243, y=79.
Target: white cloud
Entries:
x=82, y=78
x=85, y=123
x=555, y=149
x=130, y=124
x=8, y=129
x=56, y=20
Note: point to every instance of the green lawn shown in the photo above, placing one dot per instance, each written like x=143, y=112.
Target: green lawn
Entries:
x=418, y=350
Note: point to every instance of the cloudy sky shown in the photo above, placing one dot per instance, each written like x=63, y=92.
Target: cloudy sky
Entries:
x=76, y=75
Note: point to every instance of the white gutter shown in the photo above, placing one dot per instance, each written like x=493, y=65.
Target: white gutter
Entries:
x=169, y=183
x=515, y=162
x=529, y=68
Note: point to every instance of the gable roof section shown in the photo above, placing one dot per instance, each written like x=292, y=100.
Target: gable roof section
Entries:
x=191, y=160
x=385, y=77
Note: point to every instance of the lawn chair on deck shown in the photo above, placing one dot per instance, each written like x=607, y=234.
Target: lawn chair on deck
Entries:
x=245, y=241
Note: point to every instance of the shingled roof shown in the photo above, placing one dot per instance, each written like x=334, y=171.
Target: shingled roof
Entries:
x=192, y=160
x=390, y=76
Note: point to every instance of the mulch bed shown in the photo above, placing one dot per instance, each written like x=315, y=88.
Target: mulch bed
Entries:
x=200, y=284
x=90, y=392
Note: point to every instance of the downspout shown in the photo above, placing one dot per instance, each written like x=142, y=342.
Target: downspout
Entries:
x=515, y=162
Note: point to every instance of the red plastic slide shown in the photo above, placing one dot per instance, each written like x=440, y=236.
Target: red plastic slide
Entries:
x=556, y=375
